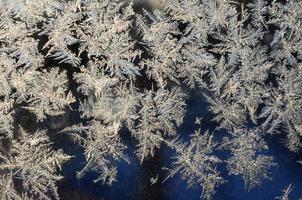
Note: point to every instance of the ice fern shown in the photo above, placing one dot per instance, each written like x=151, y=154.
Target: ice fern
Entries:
x=196, y=163
x=120, y=73
x=30, y=160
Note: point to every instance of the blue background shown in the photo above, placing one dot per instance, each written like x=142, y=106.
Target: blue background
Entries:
x=134, y=179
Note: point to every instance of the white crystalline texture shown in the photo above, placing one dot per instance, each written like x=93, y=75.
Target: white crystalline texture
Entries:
x=128, y=66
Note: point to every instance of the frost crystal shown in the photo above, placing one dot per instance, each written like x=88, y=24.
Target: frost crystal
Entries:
x=115, y=69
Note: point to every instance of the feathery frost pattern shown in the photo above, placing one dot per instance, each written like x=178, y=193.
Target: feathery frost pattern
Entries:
x=127, y=68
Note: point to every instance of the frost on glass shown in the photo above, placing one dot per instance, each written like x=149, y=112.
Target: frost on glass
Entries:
x=124, y=66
